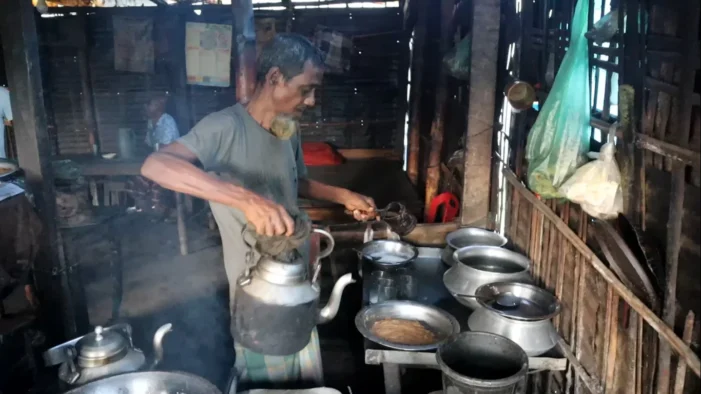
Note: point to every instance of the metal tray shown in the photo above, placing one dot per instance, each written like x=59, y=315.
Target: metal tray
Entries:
x=441, y=323
x=14, y=169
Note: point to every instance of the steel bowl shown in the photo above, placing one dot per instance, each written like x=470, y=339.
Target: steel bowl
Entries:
x=396, y=253
x=441, y=323
x=480, y=265
x=470, y=236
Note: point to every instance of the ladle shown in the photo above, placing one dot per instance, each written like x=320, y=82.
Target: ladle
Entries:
x=505, y=300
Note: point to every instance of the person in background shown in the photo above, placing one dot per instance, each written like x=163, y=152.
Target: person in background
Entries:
x=6, y=115
x=252, y=173
x=162, y=129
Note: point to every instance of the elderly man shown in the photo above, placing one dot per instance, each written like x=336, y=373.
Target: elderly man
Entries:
x=253, y=172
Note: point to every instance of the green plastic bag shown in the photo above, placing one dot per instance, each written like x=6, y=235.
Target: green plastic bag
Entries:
x=559, y=140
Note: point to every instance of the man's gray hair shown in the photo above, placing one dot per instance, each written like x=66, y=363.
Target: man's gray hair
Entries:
x=288, y=52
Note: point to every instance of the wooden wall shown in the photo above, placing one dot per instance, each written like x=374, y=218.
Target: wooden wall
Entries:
x=656, y=53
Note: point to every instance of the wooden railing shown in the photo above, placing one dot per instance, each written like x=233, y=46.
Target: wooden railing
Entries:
x=610, y=347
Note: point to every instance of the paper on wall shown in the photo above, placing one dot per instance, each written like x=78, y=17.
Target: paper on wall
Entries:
x=208, y=54
x=133, y=44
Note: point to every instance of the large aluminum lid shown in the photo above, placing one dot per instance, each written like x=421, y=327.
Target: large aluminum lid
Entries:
x=523, y=301
x=101, y=347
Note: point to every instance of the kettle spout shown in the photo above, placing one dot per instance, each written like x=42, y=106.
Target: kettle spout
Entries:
x=158, y=343
x=328, y=312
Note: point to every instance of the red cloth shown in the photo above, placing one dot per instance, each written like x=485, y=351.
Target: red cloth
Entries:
x=320, y=154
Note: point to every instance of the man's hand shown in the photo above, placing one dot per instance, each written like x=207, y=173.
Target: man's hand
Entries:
x=362, y=207
x=268, y=217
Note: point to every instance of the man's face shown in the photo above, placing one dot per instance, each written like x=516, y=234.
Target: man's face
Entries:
x=291, y=97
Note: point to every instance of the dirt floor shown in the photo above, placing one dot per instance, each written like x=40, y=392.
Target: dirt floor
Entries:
x=191, y=292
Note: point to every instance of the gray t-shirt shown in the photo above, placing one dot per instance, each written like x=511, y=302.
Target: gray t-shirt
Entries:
x=233, y=146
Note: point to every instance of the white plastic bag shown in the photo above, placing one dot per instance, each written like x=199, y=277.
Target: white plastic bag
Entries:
x=596, y=186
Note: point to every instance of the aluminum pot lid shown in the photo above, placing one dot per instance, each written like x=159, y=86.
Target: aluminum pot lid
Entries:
x=531, y=302
x=101, y=345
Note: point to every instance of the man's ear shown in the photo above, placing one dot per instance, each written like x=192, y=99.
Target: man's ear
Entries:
x=274, y=76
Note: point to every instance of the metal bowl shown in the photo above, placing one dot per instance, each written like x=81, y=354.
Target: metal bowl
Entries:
x=388, y=254
x=6, y=165
x=441, y=323
x=470, y=236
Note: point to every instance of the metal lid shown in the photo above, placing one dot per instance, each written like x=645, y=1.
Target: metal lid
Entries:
x=533, y=303
x=101, y=347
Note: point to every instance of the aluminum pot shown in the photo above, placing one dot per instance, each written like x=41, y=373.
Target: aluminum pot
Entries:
x=528, y=324
x=480, y=362
x=150, y=382
x=469, y=236
x=480, y=265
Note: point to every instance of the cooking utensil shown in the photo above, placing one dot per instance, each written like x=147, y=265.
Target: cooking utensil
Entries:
x=439, y=322
x=149, y=383
x=276, y=304
x=520, y=95
x=8, y=169
x=388, y=254
x=480, y=265
x=481, y=362
x=528, y=324
x=470, y=236
x=501, y=301
x=105, y=352
x=396, y=215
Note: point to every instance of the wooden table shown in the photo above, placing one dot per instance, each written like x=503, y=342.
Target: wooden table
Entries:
x=95, y=166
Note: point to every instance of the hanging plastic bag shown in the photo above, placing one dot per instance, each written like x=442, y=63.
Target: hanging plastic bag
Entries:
x=596, y=186
x=457, y=61
x=559, y=139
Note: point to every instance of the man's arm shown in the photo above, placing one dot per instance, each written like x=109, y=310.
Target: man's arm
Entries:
x=173, y=168
x=363, y=207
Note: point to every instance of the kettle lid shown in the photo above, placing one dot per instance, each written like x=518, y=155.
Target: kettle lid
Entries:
x=101, y=347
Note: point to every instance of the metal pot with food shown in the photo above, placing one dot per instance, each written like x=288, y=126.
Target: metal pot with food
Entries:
x=480, y=265
x=105, y=352
x=527, y=322
x=469, y=236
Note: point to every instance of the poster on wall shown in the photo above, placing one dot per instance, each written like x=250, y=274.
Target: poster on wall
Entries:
x=133, y=44
x=208, y=54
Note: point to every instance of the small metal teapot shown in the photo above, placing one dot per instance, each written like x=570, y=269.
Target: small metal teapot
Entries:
x=105, y=352
x=276, y=304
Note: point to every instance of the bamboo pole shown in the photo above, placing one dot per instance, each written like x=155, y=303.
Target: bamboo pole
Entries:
x=245, y=41
x=689, y=18
x=686, y=354
x=417, y=71
x=433, y=172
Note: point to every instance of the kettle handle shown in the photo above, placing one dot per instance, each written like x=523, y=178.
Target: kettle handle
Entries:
x=329, y=245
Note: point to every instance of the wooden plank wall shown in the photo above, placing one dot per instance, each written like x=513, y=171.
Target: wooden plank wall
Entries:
x=611, y=343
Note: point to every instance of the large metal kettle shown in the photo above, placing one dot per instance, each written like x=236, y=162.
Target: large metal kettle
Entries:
x=276, y=304
x=107, y=351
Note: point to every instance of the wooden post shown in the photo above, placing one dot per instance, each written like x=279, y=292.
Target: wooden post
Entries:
x=245, y=41
x=481, y=113
x=689, y=19
x=21, y=52
x=417, y=71
x=87, y=101
x=433, y=172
